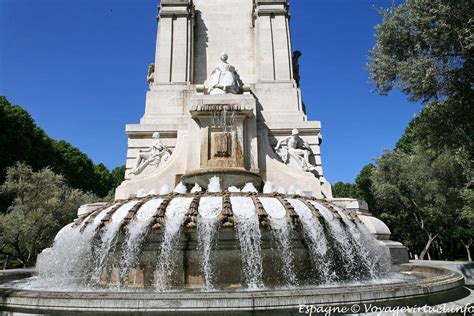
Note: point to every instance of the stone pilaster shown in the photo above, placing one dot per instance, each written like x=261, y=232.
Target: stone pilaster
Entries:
x=174, y=45
x=273, y=42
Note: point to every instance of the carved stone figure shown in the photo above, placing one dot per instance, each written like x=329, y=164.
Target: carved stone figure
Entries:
x=224, y=79
x=150, y=77
x=156, y=154
x=296, y=67
x=297, y=148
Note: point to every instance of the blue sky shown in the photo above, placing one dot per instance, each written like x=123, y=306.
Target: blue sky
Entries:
x=79, y=68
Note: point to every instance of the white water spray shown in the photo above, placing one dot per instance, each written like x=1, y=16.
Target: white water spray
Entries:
x=175, y=215
x=279, y=224
x=249, y=236
x=209, y=210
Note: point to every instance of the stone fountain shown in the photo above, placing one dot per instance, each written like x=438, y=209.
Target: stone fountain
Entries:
x=224, y=206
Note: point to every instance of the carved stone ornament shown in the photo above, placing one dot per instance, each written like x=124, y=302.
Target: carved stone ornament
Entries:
x=154, y=155
x=297, y=149
x=150, y=77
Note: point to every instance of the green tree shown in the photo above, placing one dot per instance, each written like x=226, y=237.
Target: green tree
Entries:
x=447, y=124
x=345, y=190
x=423, y=187
x=117, y=176
x=464, y=231
x=22, y=140
x=76, y=167
x=363, y=183
x=425, y=48
x=43, y=204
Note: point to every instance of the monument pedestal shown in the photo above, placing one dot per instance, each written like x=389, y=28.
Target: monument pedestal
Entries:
x=232, y=114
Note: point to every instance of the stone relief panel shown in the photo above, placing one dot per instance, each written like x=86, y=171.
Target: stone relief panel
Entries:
x=153, y=156
x=297, y=150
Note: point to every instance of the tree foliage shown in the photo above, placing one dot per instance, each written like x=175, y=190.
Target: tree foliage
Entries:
x=344, y=190
x=361, y=189
x=43, y=204
x=42, y=183
x=425, y=48
x=424, y=187
x=446, y=124
x=22, y=140
x=363, y=183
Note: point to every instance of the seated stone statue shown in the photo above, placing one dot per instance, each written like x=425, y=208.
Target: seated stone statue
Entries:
x=224, y=79
x=297, y=148
x=156, y=154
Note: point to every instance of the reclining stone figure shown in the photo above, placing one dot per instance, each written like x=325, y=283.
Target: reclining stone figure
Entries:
x=156, y=154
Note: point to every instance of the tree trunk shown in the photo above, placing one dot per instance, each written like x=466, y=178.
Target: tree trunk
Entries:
x=468, y=250
x=6, y=262
x=427, y=247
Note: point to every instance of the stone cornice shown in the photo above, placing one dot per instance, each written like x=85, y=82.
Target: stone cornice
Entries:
x=175, y=8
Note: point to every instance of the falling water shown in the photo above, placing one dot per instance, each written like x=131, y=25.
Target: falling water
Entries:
x=343, y=242
x=371, y=254
x=347, y=248
x=314, y=233
x=281, y=190
x=223, y=119
x=214, y=185
x=180, y=188
x=165, y=189
x=268, y=187
x=279, y=224
x=209, y=210
x=196, y=188
x=292, y=190
x=64, y=265
x=249, y=236
x=109, y=240
x=175, y=215
x=136, y=232
x=233, y=189
x=381, y=258
x=249, y=187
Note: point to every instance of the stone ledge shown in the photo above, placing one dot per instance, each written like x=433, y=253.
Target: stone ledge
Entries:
x=438, y=286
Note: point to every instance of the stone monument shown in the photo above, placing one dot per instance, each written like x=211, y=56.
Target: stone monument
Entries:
x=224, y=110
x=238, y=115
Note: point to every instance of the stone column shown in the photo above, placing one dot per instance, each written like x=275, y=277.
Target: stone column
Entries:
x=273, y=43
x=174, y=45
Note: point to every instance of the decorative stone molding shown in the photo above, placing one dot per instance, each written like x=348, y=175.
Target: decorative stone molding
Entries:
x=271, y=7
x=176, y=8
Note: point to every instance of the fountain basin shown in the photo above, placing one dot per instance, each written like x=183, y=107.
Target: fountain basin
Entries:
x=220, y=240
x=430, y=286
